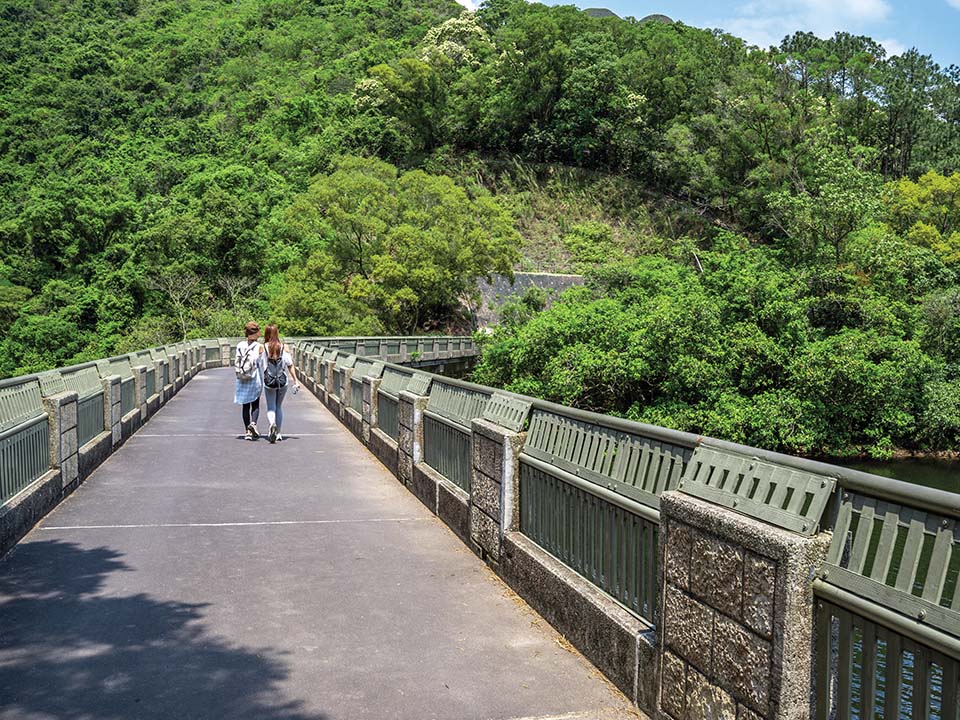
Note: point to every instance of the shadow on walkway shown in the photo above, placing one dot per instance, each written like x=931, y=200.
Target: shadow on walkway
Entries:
x=70, y=649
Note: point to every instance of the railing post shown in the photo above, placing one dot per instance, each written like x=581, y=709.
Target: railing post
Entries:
x=225, y=359
x=160, y=387
x=736, y=614
x=112, y=411
x=64, y=442
x=495, y=466
x=370, y=420
x=140, y=381
x=329, y=365
x=319, y=388
x=346, y=387
x=410, y=434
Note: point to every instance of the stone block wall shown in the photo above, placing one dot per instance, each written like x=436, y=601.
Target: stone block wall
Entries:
x=736, y=614
x=112, y=414
x=410, y=434
x=493, y=477
x=64, y=446
x=370, y=387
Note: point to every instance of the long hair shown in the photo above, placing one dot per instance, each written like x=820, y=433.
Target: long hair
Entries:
x=271, y=338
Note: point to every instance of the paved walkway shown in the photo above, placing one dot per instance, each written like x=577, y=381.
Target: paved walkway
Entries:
x=196, y=575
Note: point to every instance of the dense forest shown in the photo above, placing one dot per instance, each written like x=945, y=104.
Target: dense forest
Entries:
x=771, y=236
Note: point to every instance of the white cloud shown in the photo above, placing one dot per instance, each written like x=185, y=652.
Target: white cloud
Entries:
x=893, y=46
x=470, y=5
x=954, y=3
x=767, y=22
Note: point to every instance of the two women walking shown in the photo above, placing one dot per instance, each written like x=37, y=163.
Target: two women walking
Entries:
x=262, y=369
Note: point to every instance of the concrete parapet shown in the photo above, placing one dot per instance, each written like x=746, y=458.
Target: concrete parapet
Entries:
x=616, y=641
x=410, y=434
x=61, y=412
x=736, y=622
x=385, y=449
x=494, y=472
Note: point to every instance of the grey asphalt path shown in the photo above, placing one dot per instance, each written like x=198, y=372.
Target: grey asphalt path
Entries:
x=196, y=575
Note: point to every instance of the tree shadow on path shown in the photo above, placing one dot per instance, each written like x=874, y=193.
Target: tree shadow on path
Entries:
x=69, y=650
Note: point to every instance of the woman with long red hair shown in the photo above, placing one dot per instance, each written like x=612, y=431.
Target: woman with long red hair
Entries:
x=278, y=364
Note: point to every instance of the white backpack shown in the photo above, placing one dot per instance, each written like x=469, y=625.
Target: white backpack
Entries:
x=246, y=362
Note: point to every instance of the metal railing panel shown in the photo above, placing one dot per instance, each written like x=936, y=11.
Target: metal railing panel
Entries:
x=19, y=404
x=419, y=384
x=85, y=382
x=638, y=467
x=356, y=395
x=613, y=548
x=24, y=455
x=151, y=381
x=51, y=383
x=337, y=381
x=506, y=411
x=446, y=448
x=213, y=353
x=89, y=418
x=115, y=366
x=455, y=403
x=394, y=381
x=902, y=558
x=786, y=497
x=865, y=670
x=128, y=395
x=388, y=414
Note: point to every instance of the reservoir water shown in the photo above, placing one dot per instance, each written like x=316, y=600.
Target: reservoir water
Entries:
x=940, y=474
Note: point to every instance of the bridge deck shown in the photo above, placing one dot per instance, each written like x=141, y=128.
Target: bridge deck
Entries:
x=196, y=575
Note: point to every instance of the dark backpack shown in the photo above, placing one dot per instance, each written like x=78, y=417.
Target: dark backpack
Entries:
x=275, y=375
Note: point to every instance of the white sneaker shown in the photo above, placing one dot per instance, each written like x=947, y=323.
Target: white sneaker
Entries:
x=279, y=437
x=273, y=433
x=252, y=431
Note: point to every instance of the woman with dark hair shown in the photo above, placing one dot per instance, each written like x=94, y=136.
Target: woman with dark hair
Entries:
x=278, y=364
x=249, y=384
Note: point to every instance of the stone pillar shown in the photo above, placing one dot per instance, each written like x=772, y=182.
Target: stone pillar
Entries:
x=140, y=380
x=225, y=359
x=64, y=441
x=736, y=625
x=410, y=434
x=112, y=412
x=370, y=387
x=495, y=467
x=319, y=389
x=158, y=384
x=346, y=374
x=329, y=364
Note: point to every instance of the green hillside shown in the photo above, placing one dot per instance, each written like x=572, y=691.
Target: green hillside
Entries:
x=772, y=236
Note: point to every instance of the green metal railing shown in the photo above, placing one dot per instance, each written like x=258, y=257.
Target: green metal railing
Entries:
x=213, y=353
x=356, y=395
x=128, y=395
x=24, y=448
x=604, y=541
x=868, y=670
x=388, y=414
x=24, y=456
x=446, y=428
x=90, y=418
x=888, y=604
x=446, y=448
x=151, y=382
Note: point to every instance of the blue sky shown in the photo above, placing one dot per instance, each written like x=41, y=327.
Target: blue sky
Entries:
x=932, y=26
